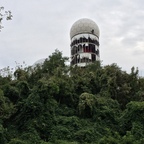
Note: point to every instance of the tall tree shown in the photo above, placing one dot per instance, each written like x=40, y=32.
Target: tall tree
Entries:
x=4, y=15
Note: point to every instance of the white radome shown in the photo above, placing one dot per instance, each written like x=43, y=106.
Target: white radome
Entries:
x=39, y=62
x=84, y=25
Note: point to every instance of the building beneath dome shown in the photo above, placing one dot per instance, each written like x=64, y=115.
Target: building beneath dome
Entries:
x=84, y=36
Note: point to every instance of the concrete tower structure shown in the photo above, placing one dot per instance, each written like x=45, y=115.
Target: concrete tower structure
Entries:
x=84, y=36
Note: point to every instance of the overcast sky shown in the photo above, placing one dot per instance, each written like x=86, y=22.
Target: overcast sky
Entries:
x=39, y=27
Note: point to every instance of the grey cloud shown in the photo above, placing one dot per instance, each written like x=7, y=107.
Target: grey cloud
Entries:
x=138, y=52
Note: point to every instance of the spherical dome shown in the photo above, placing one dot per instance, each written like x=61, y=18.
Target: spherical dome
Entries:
x=39, y=62
x=84, y=26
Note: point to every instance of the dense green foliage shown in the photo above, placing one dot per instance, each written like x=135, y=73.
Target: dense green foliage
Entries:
x=57, y=104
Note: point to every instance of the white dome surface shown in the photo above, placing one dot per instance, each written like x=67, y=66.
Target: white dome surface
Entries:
x=84, y=26
x=39, y=62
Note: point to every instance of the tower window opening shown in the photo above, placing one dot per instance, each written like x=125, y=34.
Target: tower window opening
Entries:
x=81, y=40
x=84, y=39
x=87, y=49
x=78, y=41
x=93, y=57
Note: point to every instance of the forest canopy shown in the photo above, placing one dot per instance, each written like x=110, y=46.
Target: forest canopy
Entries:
x=54, y=103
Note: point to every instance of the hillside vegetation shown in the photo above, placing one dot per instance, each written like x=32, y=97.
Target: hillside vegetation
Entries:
x=57, y=104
